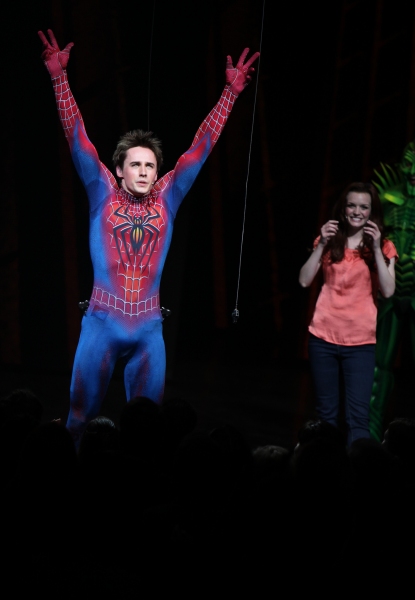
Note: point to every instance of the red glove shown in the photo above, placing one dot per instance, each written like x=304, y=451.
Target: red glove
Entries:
x=238, y=77
x=55, y=60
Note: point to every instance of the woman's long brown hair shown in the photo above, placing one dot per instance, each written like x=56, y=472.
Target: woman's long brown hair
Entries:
x=336, y=245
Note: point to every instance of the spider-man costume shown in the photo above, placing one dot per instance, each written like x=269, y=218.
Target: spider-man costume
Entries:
x=129, y=239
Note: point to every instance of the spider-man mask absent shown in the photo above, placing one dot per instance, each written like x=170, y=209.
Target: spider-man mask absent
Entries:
x=407, y=167
x=139, y=171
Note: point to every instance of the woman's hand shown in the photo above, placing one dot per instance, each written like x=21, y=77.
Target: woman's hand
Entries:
x=328, y=230
x=386, y=273
x=373, y=230
x=310, y=268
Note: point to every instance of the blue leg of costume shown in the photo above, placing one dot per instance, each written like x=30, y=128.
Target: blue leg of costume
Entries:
x=144, y=372
x=103, y=341
x=94, y=364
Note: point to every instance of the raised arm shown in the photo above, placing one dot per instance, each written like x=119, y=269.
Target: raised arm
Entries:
x=190, y=163
x=56, y=61
x=237, y=78
x=91, y=171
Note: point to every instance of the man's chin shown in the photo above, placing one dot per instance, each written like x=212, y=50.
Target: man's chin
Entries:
x=142, y=190
x=138, y=193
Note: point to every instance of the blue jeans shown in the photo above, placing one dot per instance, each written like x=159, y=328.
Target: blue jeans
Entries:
x=357, y=364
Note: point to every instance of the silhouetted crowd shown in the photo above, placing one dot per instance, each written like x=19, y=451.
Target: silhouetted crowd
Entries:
x=158, y=502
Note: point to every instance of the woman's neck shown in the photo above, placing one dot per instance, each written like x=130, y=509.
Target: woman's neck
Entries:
x=354, y=239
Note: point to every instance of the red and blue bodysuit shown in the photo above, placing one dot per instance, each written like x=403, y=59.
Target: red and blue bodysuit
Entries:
x=129, y=238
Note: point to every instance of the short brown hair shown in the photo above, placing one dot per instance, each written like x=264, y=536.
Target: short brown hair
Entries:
x=132, y=139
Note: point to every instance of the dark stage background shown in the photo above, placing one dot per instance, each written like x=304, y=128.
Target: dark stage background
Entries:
x=335, y=96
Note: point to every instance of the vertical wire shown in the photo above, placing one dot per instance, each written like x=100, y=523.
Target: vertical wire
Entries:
x=235, y=313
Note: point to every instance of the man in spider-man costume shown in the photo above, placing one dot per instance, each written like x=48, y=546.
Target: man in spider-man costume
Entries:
x=131, y=224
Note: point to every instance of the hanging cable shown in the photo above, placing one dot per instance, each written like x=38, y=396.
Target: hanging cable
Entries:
x=235, y=313
x=149, y=67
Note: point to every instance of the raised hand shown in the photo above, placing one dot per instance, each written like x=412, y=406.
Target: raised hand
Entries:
x=56, y=60
x=373, y=230
x=238, y=77
x=328, y=230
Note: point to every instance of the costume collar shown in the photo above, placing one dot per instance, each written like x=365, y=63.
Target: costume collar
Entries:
x=147, y=198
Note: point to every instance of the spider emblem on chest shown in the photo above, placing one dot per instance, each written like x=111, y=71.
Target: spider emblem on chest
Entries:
x=136, y=234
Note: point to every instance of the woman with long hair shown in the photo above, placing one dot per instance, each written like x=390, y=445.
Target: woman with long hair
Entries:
x=357, y=263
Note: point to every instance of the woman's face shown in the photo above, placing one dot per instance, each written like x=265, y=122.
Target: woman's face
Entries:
x=358, y=208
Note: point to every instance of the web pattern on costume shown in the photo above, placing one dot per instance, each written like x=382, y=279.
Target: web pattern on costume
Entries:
x=67, y=107
x=136, y=229
x=132, y=309
x=133, y=268
x=206, y=137
x=217, y=118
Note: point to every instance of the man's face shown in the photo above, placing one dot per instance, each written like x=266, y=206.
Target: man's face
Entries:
x=408, y=168
x=139, y=171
